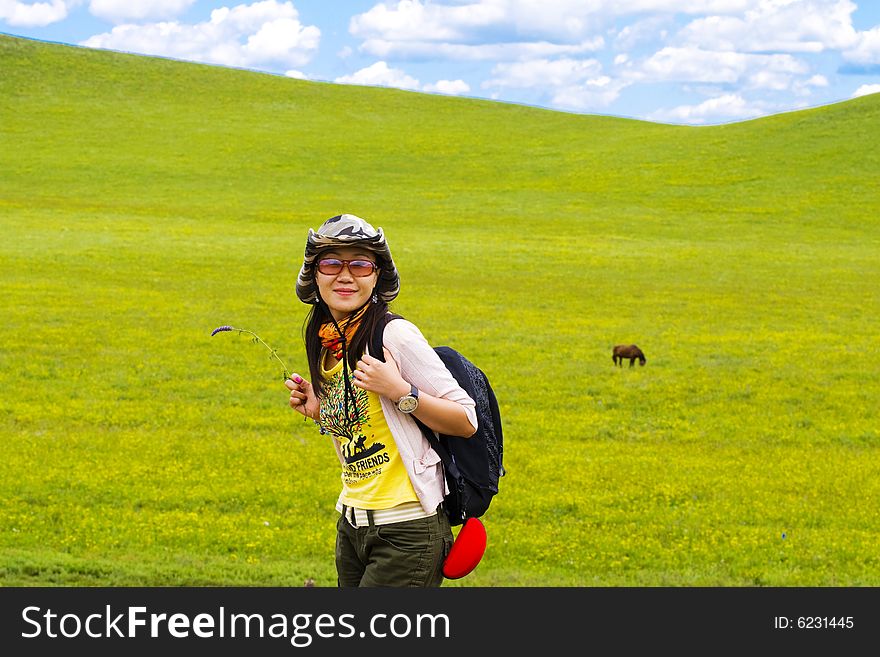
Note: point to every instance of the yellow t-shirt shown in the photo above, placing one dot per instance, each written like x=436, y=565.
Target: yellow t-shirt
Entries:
x=373, y=475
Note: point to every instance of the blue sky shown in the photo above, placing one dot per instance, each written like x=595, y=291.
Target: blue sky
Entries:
x=688, y=61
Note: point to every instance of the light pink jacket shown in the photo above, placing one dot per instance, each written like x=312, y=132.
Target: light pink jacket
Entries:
x=421, y=366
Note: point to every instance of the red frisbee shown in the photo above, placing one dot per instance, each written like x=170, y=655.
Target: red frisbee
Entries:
x=466, y=551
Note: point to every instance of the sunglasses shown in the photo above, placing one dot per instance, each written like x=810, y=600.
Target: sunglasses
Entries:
x=359, y=268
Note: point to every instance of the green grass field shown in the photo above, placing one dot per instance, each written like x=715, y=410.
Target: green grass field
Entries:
x=143, y=202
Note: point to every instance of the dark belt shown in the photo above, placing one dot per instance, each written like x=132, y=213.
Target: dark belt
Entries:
x=353, y=521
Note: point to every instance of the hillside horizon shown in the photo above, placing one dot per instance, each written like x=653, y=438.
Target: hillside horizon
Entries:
x=427, y=93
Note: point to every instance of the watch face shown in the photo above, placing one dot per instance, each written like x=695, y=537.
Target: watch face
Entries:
x=408, y=404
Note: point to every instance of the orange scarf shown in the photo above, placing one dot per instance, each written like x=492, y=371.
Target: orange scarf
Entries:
x=331, y=338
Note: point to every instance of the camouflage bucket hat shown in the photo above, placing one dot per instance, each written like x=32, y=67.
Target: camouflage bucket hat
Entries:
x=347, y=230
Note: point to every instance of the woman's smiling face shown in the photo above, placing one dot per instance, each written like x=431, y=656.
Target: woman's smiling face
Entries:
x=343, y=292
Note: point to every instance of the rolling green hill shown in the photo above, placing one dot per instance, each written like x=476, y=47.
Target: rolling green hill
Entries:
x=145, y=201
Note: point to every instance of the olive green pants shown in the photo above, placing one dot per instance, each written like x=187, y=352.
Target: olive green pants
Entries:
x=409, y=553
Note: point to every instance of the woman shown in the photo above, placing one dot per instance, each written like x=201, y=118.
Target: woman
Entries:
x=391, y=530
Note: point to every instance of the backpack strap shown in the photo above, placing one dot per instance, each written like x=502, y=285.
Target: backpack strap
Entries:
x=449, y=464
x=377, y=340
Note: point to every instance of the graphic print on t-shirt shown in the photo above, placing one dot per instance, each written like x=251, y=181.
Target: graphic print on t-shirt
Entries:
x=351, y=426
x=373, y=473
x=354, y=450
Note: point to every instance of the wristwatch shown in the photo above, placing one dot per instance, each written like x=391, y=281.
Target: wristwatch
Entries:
x=409, y=403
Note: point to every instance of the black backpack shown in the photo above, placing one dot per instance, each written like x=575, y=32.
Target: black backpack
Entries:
x=472, y=465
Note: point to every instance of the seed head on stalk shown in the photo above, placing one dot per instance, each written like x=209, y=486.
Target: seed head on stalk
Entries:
x=255, y=339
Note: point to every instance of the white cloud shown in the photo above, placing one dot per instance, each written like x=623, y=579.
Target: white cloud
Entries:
x=771, y=80
x=697, y=65
x=547, y=47
x=594, y=93
x=488, y=51
x=776, y=26
x=298, y=75
x=276, y=39
x=643, y=31
x=780, y=73
x=729, y=107
x=119, y=11
x=508, y=30
x=488, y=21
x=381, y=75
x=539, y=46
x=431, y=21
x=572, y=83
x=806, y=87
x=449, y=87
x=543, y=73
x=685, y=6
x=33, y=14
x=245, y=36
x=866, y=89
x=866, y=50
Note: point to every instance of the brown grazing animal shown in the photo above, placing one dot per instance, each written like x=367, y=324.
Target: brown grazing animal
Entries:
x=624, y=351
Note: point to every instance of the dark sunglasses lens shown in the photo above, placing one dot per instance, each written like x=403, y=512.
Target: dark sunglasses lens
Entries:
x=330, y=266
x=360, y=267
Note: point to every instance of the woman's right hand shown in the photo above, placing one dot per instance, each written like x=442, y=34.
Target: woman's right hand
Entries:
x=302, y=397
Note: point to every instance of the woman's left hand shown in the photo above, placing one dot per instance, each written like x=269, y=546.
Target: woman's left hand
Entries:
x=384, y=379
